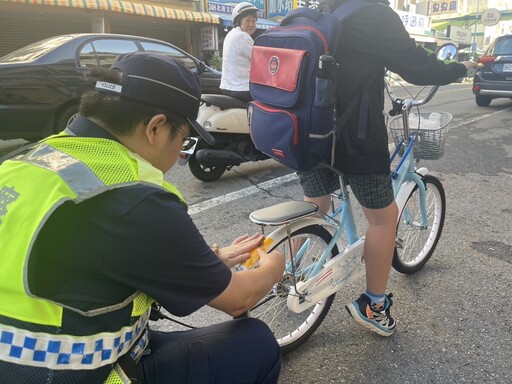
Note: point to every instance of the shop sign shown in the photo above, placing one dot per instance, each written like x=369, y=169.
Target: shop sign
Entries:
x=209, y=38
x=438, y=7
x=277, y=9
x=459, y=35
x=306, y=3
x=415, y=23
x=490, y=17
x=226, y=7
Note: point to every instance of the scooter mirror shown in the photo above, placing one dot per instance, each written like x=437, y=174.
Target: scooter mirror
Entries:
x=188, y=148
x=447, y=51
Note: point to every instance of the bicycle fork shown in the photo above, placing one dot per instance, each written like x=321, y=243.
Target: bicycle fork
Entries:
x=405, y=190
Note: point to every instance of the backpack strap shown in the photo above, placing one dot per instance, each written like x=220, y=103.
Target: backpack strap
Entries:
x=306, y=12
x=344, y=12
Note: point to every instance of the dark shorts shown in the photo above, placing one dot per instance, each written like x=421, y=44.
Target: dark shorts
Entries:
x=373, y=191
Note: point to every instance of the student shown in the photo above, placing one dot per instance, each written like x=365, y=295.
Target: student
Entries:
x=372, y=40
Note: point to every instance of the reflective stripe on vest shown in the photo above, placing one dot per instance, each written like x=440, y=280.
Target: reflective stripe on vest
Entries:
x=67, y=352
x=80, y=169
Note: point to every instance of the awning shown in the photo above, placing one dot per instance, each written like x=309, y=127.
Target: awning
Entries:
x=423, y=38
x=466, y=20
x=227, y=21
x=130, y=7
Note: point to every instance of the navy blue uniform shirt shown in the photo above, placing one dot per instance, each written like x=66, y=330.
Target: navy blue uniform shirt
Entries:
x=136, y=238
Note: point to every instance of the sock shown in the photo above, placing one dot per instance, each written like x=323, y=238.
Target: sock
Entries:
x=375, y=299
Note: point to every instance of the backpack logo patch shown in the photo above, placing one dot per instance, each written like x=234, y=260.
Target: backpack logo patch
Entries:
x=273, y=65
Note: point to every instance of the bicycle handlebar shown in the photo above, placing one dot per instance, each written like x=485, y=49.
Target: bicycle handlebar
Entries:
x=403, y=106
x=400, y=105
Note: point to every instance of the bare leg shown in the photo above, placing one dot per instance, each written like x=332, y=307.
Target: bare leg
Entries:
x=379, y=246
x=323, y=202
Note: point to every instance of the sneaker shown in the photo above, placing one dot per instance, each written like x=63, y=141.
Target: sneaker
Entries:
x=375, y=318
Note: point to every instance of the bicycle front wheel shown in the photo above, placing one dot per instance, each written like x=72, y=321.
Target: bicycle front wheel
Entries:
x=293, y=329
x=415, y=242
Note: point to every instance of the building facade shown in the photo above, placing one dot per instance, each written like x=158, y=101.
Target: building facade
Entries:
x=178, y=22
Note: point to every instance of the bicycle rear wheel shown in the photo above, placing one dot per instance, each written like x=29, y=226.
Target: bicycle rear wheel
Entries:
x=415, y=243
x=293, y=329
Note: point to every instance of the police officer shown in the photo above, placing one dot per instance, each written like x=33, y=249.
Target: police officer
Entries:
x=92, y=236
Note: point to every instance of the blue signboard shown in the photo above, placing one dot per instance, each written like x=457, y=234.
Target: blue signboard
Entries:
x=221, y=6
x=224, y=10
x=277, y=9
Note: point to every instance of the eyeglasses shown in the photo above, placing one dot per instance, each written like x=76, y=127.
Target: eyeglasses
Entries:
x=185, y=136
x=187, y=143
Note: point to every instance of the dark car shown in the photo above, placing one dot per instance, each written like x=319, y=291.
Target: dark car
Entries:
x=494, y=79
x=41, y=84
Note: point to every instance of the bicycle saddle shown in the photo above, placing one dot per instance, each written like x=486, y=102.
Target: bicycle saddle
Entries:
x=283, y=213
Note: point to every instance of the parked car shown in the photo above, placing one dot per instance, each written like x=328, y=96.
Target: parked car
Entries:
x=41, y=84
x=494, y=79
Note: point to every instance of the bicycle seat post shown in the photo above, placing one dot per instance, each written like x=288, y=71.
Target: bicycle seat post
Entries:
x=343, y=188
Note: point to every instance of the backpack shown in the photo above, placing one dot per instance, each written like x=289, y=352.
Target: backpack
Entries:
x=293, y=82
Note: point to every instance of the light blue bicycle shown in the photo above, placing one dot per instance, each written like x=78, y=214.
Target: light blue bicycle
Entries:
x=325, y=254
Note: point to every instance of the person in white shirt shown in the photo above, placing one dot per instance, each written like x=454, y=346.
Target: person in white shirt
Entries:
x=236, y=53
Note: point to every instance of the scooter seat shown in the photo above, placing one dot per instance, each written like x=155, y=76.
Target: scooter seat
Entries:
x=223, y=101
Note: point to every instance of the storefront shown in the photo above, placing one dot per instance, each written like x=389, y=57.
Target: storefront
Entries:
x=25, y=22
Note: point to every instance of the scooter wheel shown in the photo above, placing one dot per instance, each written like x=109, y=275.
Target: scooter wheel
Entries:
x=205, y=173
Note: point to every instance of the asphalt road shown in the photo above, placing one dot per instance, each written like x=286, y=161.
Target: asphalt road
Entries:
x=453, y=317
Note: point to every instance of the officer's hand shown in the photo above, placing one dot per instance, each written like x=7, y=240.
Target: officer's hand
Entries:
x=274, y=262
x=239, y=250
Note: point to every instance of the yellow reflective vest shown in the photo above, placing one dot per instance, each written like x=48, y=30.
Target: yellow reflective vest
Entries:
x=32, y=186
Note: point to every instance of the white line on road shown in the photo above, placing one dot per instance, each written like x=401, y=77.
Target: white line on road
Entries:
x=476, y=118
x=212, y=203
x=232, y=196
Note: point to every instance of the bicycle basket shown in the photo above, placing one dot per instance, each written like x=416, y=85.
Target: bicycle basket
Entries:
x=430, y=137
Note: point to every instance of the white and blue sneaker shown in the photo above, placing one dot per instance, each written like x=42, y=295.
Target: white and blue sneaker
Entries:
x=374, y=317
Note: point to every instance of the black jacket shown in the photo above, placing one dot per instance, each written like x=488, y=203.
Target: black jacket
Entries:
x=372, y=40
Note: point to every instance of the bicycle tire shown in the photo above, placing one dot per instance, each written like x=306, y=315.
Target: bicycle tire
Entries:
x=293, y=329
x=415, y=245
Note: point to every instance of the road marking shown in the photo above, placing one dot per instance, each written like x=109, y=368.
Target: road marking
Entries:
x=212, y=203
x=232, y=196
x=476, y=118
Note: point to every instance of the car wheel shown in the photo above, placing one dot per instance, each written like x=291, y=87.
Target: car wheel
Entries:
x=65, y=117
x=482, y=101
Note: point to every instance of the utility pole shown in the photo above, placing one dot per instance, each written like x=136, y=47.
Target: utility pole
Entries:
x=473, y=46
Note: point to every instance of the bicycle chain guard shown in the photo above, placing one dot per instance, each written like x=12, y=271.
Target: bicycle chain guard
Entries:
x=336, y=273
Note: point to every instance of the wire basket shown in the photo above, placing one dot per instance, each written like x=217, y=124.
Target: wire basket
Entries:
x=430, y=137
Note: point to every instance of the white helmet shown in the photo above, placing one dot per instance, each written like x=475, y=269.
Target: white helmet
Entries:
x=241, y=10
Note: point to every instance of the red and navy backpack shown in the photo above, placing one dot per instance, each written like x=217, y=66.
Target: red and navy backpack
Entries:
x=293, y=84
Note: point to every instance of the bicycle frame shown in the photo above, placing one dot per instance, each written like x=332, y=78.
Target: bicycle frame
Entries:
x=329, y=275
x=406, y=177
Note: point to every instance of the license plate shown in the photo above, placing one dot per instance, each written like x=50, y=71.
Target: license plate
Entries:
x=507, y=67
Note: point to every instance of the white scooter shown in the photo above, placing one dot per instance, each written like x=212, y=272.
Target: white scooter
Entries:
x=225, y=117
